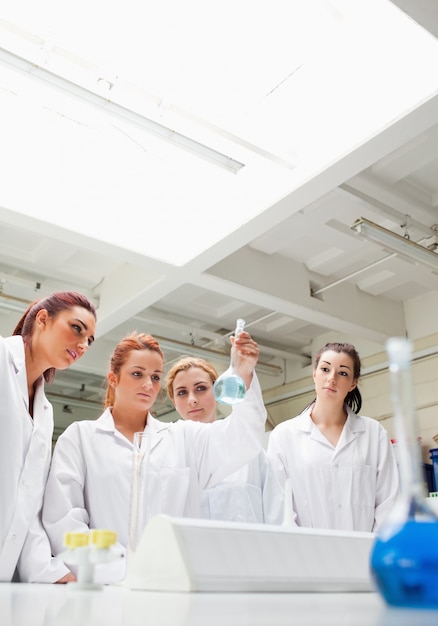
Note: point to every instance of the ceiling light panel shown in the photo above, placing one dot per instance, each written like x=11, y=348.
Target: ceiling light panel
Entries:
x=262, y=84
x=396, y=243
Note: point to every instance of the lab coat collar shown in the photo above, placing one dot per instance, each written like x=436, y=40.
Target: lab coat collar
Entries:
x=16, y=350
x=353, y=425
x=354, y=422
x=15, y=345
x=105, y=423
x=156, y=429
x=41, y=406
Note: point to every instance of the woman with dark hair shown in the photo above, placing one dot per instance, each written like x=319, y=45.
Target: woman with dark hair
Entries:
x=52, y=334
x=336, y=467
x=89, y=484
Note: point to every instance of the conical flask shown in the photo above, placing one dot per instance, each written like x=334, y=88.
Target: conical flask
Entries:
x=229, y=387
x=404, y=559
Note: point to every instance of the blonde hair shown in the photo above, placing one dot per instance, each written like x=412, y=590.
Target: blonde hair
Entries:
x=185, y=363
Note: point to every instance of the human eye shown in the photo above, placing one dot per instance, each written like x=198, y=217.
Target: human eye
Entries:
x=137, y=374
x=342, y=373
x=81, y=331
x=181, y=392
x=324, y=368
x=156, y=378
x=201, y=388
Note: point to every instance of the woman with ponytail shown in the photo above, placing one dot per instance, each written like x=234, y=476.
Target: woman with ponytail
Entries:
x=52, y=334
x=335, y=466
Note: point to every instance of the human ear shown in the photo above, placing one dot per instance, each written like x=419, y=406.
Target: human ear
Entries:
x=111, y=379
x=42, y=317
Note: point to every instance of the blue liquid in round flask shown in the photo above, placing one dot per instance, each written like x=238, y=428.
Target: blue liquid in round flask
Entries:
x=229, y=388
x=404, y=558
x=405, y=564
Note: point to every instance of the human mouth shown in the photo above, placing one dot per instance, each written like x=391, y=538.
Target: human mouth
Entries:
x=74, y=355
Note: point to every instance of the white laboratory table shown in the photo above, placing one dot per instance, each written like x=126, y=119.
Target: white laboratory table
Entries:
x=64, y=605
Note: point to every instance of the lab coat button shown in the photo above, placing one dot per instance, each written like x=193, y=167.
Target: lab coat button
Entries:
x=13, y=537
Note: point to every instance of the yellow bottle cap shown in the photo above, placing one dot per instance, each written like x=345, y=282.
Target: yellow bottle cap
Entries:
x=75, y=540
x=103, y=538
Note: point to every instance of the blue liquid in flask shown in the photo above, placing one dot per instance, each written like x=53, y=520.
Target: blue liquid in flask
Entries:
x=230, y=389
x=404, y=558
x=405, y=565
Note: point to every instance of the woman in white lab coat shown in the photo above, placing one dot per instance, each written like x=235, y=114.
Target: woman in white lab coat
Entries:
x=337, y=468
x=238, y=497
x=89, y=484
x=52, y=334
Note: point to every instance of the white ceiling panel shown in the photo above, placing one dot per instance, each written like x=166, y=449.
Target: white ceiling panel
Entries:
x=292, y=127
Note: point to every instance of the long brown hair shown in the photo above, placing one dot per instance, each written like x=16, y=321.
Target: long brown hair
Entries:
x=353, y=398
x=54, y=304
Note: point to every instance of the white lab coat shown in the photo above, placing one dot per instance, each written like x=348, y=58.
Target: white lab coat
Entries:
x=25, y=450
x=238, y=498
x=352, y=486
x=89, y=484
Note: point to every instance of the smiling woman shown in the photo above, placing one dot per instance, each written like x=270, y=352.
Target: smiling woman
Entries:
x=52, y=334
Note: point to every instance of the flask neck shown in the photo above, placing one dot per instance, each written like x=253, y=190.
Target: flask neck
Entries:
x=240, y=327
x=405, y=419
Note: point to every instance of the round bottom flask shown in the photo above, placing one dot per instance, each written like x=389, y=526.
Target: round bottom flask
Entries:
x=404, y=558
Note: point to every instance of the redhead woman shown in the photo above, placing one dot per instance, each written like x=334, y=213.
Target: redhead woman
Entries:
x=52, y=334
x=339, y=466
x=89, y=485
x=238, y=498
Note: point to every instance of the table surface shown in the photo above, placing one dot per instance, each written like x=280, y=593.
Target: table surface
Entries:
x=67, y=605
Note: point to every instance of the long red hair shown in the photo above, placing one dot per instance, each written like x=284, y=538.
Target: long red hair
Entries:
x=133, y=341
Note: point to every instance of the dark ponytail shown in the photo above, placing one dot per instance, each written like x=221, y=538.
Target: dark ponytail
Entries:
x=353, y=398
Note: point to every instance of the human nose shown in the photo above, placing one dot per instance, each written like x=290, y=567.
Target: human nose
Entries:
x=83, y=345
x=192, y=398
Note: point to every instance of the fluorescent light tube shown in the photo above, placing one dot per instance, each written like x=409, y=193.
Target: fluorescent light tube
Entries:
x=121, y=112
x=396, y=243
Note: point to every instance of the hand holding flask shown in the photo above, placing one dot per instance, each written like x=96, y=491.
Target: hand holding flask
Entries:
x=229, y=387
